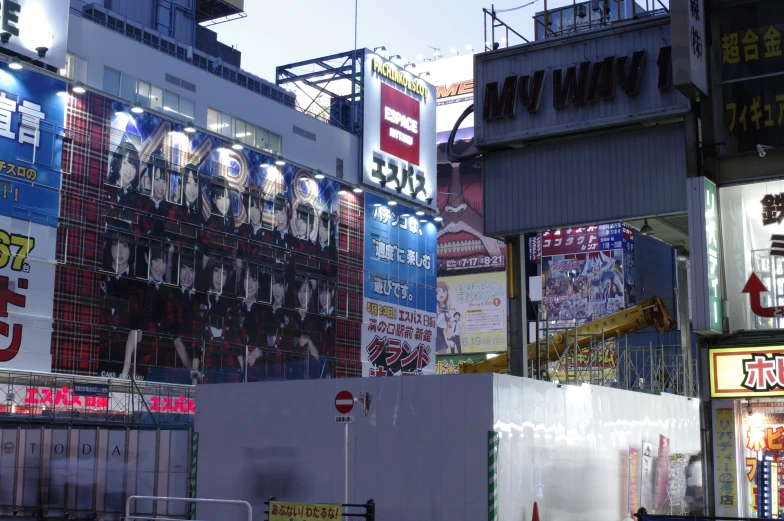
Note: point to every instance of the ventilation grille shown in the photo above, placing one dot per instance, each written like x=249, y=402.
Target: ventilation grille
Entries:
x=174, y=80
x=304, y=133
x=339, y=168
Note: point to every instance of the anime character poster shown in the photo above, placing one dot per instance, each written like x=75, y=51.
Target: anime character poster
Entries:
x=213, y=259
x=462, y=247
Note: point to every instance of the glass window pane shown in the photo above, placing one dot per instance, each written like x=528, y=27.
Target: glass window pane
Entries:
x=213, y=119
x=239, y=130
x=111, y=81
x=187, y=108
x=250, y=135
x=78, y=69
x=276, y=142
x=171, y=101
x=128, y=88
x=227, y=126
x=262, y=138
x=156, y=98
x=144, y=93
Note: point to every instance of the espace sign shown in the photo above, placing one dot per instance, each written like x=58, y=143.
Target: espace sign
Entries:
x=398, y=152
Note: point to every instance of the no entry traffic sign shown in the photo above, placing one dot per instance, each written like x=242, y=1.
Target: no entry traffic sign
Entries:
x=344, y=402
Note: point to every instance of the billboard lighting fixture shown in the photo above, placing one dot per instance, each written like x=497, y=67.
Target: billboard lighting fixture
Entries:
x=423, y=220
x=410, y=64
x=405, y=215
x=236, y=146
x=646, y=229
x=377, y=205
x=383, y=183
x=5, y=36
x=279, y=161
x=137, y=108
x=265, y=165
x=190, y=129
x=357, y=190
x=15, y=64
x=78, y=88
x=342, y=192
x=319, y=175
x=395, y=57
x=42, y=51
x=438, y=218
x=469, y=47
x=420, y=213
x=392, y=203
x=429, y=200
x=423, y=73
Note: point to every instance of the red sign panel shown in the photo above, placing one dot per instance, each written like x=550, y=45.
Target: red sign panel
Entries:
x=344, y=402
x=399, y=125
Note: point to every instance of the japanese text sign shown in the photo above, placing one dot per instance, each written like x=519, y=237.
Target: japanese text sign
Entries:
x=400, y=256
x=703, y=205
x=737, y=372
x=32, y=116
x=279, y=511
x=399, y=114
x=689, y=47
x=634, y=480
x=725, y=462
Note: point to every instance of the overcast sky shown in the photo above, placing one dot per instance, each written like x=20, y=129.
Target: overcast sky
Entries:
x=289, y=31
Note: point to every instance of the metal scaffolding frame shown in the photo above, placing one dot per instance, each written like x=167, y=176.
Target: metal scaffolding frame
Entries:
x=339, y=78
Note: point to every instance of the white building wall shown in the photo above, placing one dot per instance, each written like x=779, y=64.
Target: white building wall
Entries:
x=422, y=451
x=102, y=47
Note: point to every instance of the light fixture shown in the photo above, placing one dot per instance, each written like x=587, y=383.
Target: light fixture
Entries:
x=405, y=215
x=190, y=129
x=420, y=212
x=377, y=205
x=279, y=161
x=420, y=57
x=424, y=73
x=222, y=150
x=469, y=47
x=646, y=229
x=342, y=192
x=453, y=50
x=382, y=48
x=394, y=57
x=62, y=93
x=120, y=113
x=392, y=203
x=173, y=133
x=236, y=146
x=429, y=200
x=265, y=165
x=410, y=64
x=5, y=36
x=423, y=220
x=357, y=190
x=319, y=175
x=137, y=108
x=42, y=51
x=438, y=218
x=15, y=64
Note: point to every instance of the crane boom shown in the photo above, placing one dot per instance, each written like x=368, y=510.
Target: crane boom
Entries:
x=646, y=313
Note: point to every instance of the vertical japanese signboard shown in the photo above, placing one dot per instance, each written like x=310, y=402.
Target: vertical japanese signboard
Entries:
x=703, y=207
x=399, y=307
x=31, y=123
x=399, y=128
x=634, y=480
x=725, y=473
x=689, y=47
x=662, y=471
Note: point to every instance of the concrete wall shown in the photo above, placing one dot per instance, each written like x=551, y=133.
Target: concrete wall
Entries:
x=422, y=451
x=102, y=47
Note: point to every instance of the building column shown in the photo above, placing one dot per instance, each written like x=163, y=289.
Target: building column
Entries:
x=518, y=309
x=684, y=323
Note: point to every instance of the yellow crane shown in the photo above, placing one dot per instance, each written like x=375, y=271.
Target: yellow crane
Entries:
x=646, y=313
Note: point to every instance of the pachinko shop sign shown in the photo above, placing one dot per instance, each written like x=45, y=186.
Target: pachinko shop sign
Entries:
x=738, y=372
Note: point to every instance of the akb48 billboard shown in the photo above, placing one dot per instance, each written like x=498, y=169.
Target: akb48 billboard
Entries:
x=185, y=253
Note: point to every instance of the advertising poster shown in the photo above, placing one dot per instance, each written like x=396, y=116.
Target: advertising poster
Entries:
x=588, y=272
x=598, y=362
x=208, y=258
x=634, y=481
x=646, y=480
x=662, y=471
x=472, y=309
x=32, y=115
x=399, y=331
x=449, y=364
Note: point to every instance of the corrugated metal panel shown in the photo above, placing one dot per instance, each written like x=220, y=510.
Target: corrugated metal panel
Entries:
x=632, y=172
x=649, y=103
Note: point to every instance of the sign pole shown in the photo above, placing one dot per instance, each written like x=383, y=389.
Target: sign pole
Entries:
x=345, y=461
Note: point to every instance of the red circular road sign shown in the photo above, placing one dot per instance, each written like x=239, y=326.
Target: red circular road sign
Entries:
x=344, y=402
x=8, y=447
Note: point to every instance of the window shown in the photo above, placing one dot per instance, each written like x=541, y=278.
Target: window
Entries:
x=111, y=81
x=75, y=68
x=187, y=108
x=242, y=131
x=171, y=101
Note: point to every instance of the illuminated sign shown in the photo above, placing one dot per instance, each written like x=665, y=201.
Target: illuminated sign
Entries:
x=36, y=28
x=399, y=115
x=712, y=242
x=389, y=71
x=739, y=372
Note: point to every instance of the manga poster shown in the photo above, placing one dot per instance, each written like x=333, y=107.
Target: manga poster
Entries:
x=213, y=258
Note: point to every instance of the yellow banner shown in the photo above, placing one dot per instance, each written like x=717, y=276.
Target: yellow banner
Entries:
x=737, y=372
x=725, y=473
x=279, y=511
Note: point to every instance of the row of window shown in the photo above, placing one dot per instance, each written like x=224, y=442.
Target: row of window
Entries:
x=242, y=131
x=147, y=95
